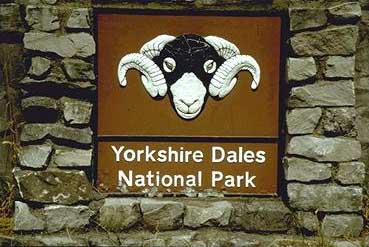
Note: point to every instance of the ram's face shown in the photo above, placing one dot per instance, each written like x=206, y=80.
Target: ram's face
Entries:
x=188, y=64
x=192, y=67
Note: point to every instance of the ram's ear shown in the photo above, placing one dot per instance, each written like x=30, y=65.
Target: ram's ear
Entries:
x=225, y=79
x=152, y=77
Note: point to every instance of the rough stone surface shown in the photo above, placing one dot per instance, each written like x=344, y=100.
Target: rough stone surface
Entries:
x=66, y=217
x=303, y=121
x=337, y=40
x=118, y=214
x=348, y=225
x=300, y=69
x=53, y=186
x=39, y=66
x=79, y=19
x=351, y=172
x=345, y=11
x=24, y=220
x=154, y=243
x=33, y=132
x=304, y=18
x=327, y=197
x=303, y=170
x=10, y=19
x=39, y=101
x=323, y=93
x=325, y=149
x=337, y=66
x=43, y=18
x=338, y=122
x=200, y=214
x=308, y=221
x=35, y=156
x=69, y=45
x=76, y=111
x=77, y=69
x=162, y=215
x=260, y=214
x=64, y=157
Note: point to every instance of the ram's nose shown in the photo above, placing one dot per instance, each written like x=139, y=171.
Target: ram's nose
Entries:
x=189, y=102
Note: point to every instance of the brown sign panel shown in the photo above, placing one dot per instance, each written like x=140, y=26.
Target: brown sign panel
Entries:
x=135, y=106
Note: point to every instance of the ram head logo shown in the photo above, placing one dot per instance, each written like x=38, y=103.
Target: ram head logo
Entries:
x=191, y=66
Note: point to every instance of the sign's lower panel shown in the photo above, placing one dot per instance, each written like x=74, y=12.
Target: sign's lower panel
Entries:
x=244, y=168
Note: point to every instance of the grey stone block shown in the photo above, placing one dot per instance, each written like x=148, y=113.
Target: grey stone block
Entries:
x=39, y=66
x=53, y=186
x=336, y=40
x=303, y=121
x=35, y=156
x=200, y=214
x=65, y=157
x=351, y=172
x=347, y=225
x=77, y=69
x=79, y=19
x=60, y=217
x=337, y=66
x=323, y=93
x=24, y=220
x=325, y=149
x=325, y=197
x=42, y=18
x=76, y=111
x=304, y=18
x=308, y=221
x=345, y=11
x=303, y=170
x=301, y=68
x=161, y=214
x=118, y=214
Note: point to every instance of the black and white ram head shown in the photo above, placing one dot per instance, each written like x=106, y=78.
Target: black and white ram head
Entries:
x=191, y=66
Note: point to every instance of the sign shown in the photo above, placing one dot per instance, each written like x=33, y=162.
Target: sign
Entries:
x=188, y=102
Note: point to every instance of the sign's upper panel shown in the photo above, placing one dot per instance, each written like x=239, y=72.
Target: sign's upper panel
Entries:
x=237, y=112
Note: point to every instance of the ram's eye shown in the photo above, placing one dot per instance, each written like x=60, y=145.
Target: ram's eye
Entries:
x=169, y=64
x=210, y=66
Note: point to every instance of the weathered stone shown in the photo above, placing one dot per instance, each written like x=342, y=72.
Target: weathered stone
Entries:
x=348, y=225
x=154, y=243
x=100, y=240
x=362, y=58
x=327, y=197
x=76, y=111
x=308, y=221
x=325, y=149
x=200, y=214
x=61, y=240
x=303, y=121
x=39, y=66
x=260, y=214
x=33, y=132
x=69, y=45
x=79, y=19
x=35, y=156
x=52, y=80
x=39, y=101
x=301, y=68
x=351, y=172
x=338, y=40
x=162, y=215
x=337, y=66
x=303, y=18
x=338, y=122
x=53, y=186
x=346, y=243
x=118, y=214
x=77, y=69
x=71, y=157
x=43, y=18
x=10, y=19
x=323, y=93
x=303, y=170
x=345, y=11
x=66, y=217
x=24, y=220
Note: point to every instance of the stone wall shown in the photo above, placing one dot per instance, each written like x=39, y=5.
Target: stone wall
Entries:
x=324, y=183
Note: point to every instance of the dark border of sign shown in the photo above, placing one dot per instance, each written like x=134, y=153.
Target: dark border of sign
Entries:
x=283, y=93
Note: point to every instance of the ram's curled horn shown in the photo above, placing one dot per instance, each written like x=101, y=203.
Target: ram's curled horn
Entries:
x=223, y=47
x=153, y=48
x=225, y=78
x=152, y=77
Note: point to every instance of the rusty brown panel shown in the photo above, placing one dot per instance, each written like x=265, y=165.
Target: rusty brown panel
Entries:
x=266, y=172
x=130, y=111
